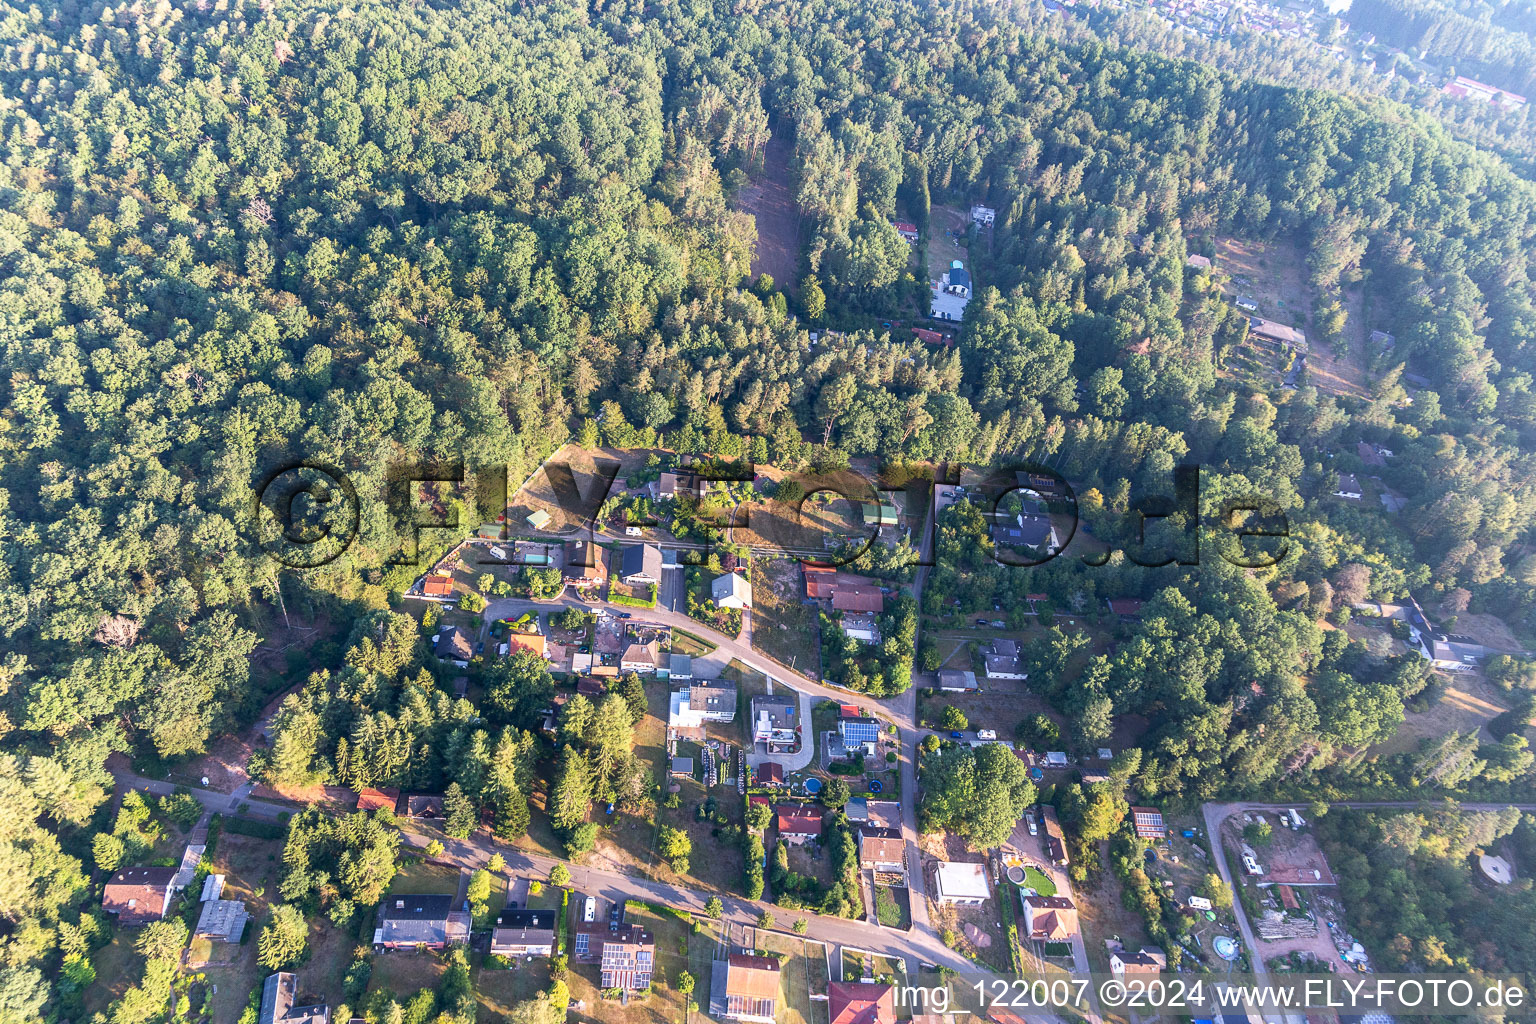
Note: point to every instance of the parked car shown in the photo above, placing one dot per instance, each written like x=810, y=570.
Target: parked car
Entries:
x=626, y=615
x=954, y=735
x=1034, y=829
x=986, y=734
x=631, y=531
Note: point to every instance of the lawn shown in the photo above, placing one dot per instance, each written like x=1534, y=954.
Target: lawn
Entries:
x=496, y=901
x=694, y=646
x=892, y=907
x=1039, y=881
x=500, y=990
x=880, y=966
x=404, y=974
x=422, y=877
x=628, y=838
x=118, y=965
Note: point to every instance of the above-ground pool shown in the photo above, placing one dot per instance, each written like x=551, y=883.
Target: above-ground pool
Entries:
x=875, y=785
x=1225, y=947
x=813, y=785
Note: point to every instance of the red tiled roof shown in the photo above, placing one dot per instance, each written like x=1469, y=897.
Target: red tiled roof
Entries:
x=799, y=820
x=860, y=1003
x=377, y=799
x=847, y=598
x=437, y=586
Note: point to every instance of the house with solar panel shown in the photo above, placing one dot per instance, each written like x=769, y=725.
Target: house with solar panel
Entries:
x=859, y=735
x=1148, y=823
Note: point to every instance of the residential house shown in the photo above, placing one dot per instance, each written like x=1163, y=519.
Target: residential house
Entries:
x=684, y=721
x=682, y=485
x=1003, y=661
x=590, y=688
x=640, y=564
x=627, y=954
x=1451, y=652
x=983, y=215
x=952, y=293
x=1148, y=823
x=746, y=990
x=1126, y=609
x=731, y=591
x=770, y=773
x=1276, y=334
x=139, y=895
x=861, y=1003
x=907, y=230
x=964, y=884
x=953, y=680
x=1198, y=262
x=773, y=723
x=1144, y=961
x=928, y=337
x=714, y=699
x=850, y=598
x=453, y=644
x=798, y=823
x=409, y=921
x=279, y=993
x=1050, y=918
x=680, y=668
x=524, y=933
x=641, y=658
x=437, y=587
x=423, y=805
x=859, y=735
x=882, y=849
x=533, y=643
x=584, y=564
x=1055, y=841
x=1349, y=487
x=1028, y=530
x=539, y=519
x=682, y=768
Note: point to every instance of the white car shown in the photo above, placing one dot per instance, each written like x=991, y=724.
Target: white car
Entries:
x=986, y=734
x=1034, y=829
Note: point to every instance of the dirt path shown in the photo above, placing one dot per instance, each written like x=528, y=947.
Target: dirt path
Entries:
x=772, y=206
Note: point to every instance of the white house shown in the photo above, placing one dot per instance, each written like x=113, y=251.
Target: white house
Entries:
x=983, y=215
x=731, y=591
x=963, y=884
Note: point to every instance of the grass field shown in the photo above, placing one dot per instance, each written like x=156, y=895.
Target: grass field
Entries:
x=802, y=973
x=420, y=877
x=784, y=627
x=500, y=990
x=694, y=646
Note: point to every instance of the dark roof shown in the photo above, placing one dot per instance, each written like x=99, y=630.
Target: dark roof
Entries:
x=454, y=643
x=770, y=773
x=641, y=559
x=137, y=895
x=422, y=918
x=960, y=276
x=524, y=928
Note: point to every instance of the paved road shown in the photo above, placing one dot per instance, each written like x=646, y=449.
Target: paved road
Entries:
x=477, y=850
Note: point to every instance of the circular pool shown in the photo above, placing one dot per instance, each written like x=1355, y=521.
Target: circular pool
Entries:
x=875, y=785
x=813, y=785
x=1225, y=947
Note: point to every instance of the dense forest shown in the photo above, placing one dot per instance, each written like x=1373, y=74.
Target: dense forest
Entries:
x=238, y=235
x=1496, y=42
